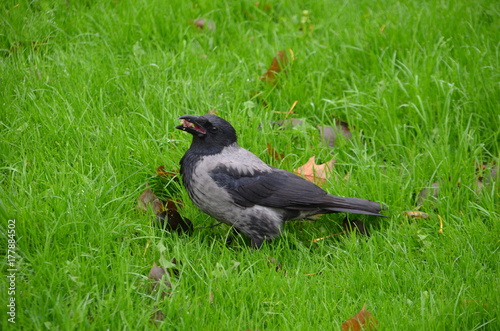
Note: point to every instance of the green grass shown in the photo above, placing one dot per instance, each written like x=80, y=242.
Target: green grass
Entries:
x=91, y=93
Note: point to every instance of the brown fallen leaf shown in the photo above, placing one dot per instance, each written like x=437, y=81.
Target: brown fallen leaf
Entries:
x=160, y=171
x=316, y=173
x=203, y=23
x=280, y=63
x=173, y=204
x=170, y=220
x=329, y=134
x=167, y=216
x=273, y=153
x=148, y=199
x=156, y=274
x=363, y=320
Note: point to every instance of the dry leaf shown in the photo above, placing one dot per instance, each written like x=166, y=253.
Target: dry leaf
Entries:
x=361, y=321
x=160, y=171
x=279, y=63
x=156, y=274
x=329, y=133
x=170, y=220
x=167, y=216
x=316, y=173
x=173, y=204
x=273, y=153
x=149, y=200
x=203, y=23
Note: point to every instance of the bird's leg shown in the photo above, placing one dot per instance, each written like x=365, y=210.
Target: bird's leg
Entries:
x=232, y=235
x=256, y=242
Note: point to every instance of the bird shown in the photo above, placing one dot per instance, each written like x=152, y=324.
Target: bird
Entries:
x=234, y=186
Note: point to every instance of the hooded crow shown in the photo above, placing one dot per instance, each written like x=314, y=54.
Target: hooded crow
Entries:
x=235, y=187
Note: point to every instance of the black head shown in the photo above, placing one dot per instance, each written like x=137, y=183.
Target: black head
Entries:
x=210, y=133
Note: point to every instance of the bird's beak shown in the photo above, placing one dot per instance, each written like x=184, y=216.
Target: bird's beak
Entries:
x=190, y=123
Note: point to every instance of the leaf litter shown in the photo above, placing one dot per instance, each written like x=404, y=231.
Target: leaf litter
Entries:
x=316, y=173
x=167, y=217
x=329, y=134
x=280, y=64
x=363, y=320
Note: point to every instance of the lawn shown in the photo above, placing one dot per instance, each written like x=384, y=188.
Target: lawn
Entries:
x=91, y=92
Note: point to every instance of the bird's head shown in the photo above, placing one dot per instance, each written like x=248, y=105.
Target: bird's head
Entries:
x=209, y=132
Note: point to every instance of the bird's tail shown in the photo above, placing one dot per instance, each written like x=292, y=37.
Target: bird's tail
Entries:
x=353, y=205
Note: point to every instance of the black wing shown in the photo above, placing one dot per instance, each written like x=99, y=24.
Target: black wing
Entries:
x=273, y=188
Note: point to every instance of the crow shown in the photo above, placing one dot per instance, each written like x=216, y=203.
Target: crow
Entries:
x=236, y=187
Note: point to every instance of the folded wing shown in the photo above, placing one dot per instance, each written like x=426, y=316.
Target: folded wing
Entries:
x=282, y=189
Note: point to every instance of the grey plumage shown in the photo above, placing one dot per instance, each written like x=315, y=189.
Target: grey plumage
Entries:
x=235, y=187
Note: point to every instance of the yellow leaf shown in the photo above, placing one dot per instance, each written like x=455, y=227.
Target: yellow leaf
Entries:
x=316, y=173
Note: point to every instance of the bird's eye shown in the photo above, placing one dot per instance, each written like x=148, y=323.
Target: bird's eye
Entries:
x=213, y=129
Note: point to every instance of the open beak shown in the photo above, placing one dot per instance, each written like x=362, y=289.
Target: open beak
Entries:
x=189, y=123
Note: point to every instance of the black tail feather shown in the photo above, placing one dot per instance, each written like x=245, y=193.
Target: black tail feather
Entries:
x=354, y=205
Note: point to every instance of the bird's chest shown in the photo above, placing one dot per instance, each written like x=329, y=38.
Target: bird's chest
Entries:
x=203, y=190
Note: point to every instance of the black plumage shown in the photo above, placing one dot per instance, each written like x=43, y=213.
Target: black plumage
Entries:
x=236, y=187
